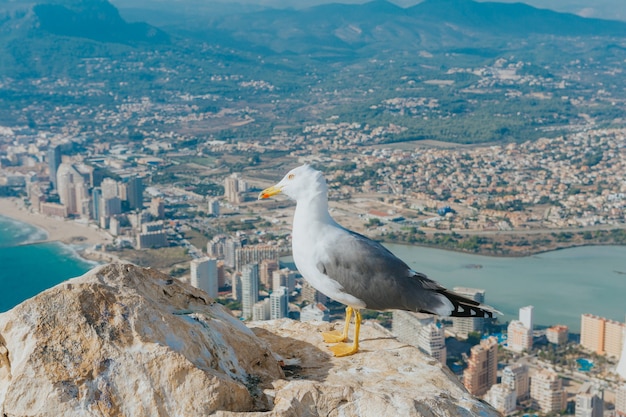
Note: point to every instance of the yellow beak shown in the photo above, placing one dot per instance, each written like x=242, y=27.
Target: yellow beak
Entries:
x=268, y=192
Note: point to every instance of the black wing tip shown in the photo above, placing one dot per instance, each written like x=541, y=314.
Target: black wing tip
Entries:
x=461, y=310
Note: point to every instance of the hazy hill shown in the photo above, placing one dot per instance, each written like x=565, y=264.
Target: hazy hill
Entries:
x=357, y=62
x=329, y=30
x=94, y=19
x=49, y=37
x=513, y=19
x=381, y=24
x=89, y=19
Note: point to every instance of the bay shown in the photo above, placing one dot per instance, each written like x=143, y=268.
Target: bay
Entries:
x=561, y=285
x=27, y=267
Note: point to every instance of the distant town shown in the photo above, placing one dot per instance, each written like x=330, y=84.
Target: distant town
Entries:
x=191, y=211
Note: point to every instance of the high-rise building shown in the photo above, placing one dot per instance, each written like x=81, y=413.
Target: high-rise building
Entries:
x=520, y=337
x=432, y=341
x=463, y=326
x=621, y=365
x=73, y=191
x=216, y=246
x=558, y=334
x=482, y=367
x=517, y=378
x=204, y=275
x=620, y=401
x=592, y=333
x=157, y=208
x=230, y=249
x=502, y=398
x=614, y=332
x=310, y=294
x=601, y=335
x=526, y=317
x=255, y=254
x=279, y=303
x=233, y=188
x=54, y=161
x=214, y=207
x=589, y=403
x=111, y=206
x=221, y=275
x=235, y=283
x=266, y=268
x=249, y=289
x=406, y=325
x=284, y=278
x=421, y=331
x=315, y=311
x=134, y=193
x=152, y=235
x=547, y=392
x=96, y=203
x=110, y=188
x=115, y=228
x=261, y=310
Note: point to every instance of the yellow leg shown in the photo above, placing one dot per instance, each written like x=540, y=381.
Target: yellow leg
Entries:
x=336, y=336
x=345, y=349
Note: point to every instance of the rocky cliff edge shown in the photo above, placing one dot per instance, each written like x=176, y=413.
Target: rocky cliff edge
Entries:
x=128, y=341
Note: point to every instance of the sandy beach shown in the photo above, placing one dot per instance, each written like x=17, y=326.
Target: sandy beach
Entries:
x=66, y=231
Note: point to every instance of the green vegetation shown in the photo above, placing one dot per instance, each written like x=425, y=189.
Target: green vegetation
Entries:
x=452, y=85
x=508, y=244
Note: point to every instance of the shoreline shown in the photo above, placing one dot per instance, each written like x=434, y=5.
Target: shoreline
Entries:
x=75, y=233
x=499, y=255
x=57, y=229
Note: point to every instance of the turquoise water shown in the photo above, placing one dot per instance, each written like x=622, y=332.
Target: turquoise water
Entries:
x=585, y=364
x=561, y=285
x=28, y=268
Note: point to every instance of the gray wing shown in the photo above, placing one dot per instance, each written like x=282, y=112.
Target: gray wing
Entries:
x=370, y=272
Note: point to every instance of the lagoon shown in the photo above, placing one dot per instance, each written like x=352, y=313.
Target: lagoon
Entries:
x=561, y=285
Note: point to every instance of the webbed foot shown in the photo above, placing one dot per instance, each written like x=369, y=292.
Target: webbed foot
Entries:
x=344, y=349
x=334, y=336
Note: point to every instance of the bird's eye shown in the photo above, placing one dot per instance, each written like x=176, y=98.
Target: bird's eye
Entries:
x=291, y=176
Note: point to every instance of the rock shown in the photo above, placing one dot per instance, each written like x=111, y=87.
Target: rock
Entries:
x=385, y=378
x=123, y=340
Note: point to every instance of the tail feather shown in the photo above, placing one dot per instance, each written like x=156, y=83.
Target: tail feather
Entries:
x=465, y=307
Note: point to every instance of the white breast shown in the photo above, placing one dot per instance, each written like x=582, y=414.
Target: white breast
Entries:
x=309, y=250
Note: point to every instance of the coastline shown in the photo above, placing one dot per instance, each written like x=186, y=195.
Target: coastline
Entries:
x=57, y=229
x=520, y=254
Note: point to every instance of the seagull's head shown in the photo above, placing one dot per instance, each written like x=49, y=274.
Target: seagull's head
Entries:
x=299, y=183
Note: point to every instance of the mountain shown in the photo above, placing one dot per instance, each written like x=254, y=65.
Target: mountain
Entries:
x=513, y=19
x=356, y=62
x=345, y=28
x=97, y=20
x=52, y=36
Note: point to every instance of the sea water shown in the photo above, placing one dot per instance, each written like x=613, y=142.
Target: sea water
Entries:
x=28, y=267
x=561, y=285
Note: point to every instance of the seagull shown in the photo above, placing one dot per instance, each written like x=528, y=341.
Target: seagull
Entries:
x=353, y=269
